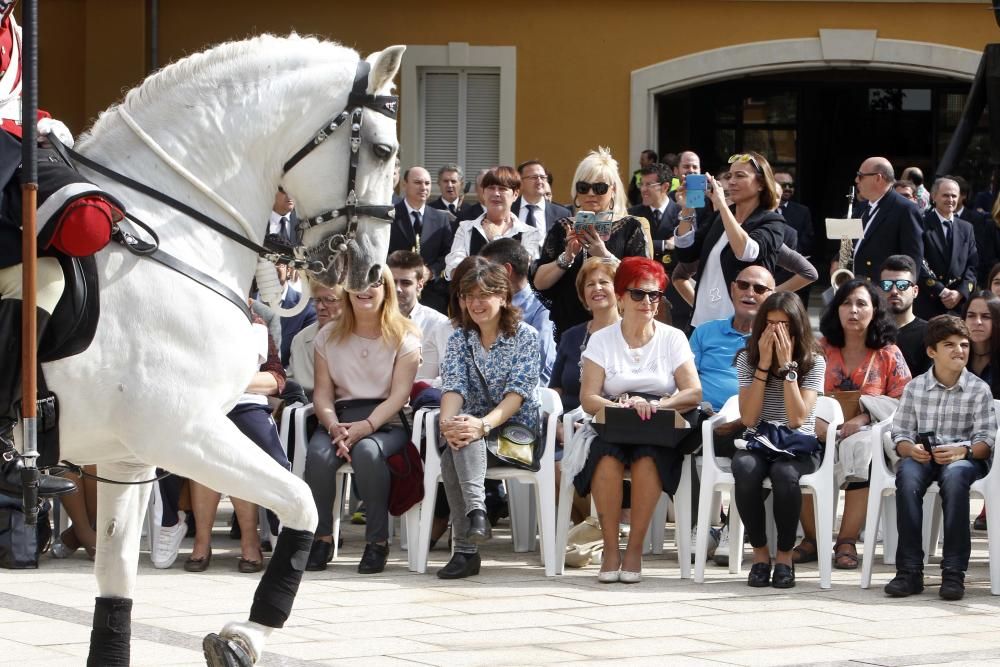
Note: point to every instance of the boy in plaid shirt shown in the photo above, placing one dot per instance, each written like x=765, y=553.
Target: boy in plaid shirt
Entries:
x=950, y=411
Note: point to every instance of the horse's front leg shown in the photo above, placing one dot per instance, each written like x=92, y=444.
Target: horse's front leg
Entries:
x=120, y=510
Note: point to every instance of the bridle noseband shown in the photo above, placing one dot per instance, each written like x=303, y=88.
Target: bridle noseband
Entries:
x=357, y=102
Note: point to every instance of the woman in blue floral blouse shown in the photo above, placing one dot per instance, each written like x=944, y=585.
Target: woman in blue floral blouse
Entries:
x=505, y=350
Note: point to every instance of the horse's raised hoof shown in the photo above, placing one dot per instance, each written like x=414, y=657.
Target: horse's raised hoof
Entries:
x=222, y=652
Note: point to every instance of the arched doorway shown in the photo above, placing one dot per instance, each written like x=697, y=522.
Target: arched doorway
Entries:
x=819, y=104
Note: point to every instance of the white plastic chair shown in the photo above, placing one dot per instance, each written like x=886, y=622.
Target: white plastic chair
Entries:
x=819, y=484
x=543, y=482
x=656, y=530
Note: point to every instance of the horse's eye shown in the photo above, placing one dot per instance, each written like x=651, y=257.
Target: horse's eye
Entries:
x=383, y=151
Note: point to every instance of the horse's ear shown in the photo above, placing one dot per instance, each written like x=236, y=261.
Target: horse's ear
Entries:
x=384, y=64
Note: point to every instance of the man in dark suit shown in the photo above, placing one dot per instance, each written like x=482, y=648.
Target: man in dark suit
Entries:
x=532, y=207
x=948, y=273
x=450, y=185
x=283, y=219
x=984, y=229
x=425, y=230
x=892, y=224
x=473, y=210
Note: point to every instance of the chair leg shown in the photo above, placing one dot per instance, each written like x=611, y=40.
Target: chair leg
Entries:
x=563, y=515
x=411, y=531
x=338, y=509
x=736, y=534
x=682, y=521
x=871, y=536
x=656, y=533
x=426, y=522
x=823, y=508
x=930, y=532
x=707, y=492
x=545, y=501
x=993, y=535
x=770, y=527
x=890, y=536
x=522, y=519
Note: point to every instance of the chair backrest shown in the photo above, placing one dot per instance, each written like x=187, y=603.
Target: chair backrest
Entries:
x=879, y=468
x=549, y=401
x=828, y=409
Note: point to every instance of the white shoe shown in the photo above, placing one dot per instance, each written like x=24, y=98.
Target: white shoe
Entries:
x=713, y=542
x=168, y=543
x=722, y=549
x=611, y=576
x=627, y=577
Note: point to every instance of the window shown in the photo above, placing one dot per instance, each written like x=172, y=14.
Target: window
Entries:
x=460, y=118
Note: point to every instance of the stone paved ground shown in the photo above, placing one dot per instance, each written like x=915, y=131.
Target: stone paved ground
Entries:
x=510, y=615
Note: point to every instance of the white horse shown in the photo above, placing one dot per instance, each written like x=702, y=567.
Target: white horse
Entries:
x=170, y=357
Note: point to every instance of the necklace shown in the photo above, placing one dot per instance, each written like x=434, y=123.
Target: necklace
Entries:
x=365, y=342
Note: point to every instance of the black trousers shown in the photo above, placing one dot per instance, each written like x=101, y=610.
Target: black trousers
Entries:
x=749, y=470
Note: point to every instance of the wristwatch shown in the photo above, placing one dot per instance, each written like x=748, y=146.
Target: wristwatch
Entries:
x=791, y=376
x=563, y=263
x=486, y=427
x=969, y=456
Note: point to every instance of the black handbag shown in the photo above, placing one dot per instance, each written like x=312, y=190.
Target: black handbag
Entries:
x=21, y=544
x=513, y=443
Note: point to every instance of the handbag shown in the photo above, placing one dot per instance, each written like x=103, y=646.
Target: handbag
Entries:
x=21, y=544
x=406, y=479
x=662, y=429
x=778, y=442
x=850, y=400
x=512, y=443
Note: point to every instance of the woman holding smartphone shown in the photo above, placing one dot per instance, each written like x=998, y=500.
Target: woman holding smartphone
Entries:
x=747, y=232
x=597, y=188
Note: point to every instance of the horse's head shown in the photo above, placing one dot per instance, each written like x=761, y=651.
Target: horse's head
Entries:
x=347, y=245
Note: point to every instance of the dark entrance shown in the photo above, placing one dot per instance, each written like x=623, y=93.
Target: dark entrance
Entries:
x=820, y=125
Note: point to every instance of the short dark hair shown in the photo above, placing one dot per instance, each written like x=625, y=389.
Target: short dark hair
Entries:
x=505, y=177
x=527, y=163
x=905, y=183
x=406, y=260
x=508, y=251
x=881, y=330
x=941, y=327
x=660, y=170
x=490, y=278
x=651, y=154
x=900, y=263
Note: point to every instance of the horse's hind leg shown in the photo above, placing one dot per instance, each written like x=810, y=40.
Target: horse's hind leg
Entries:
x=120, y=510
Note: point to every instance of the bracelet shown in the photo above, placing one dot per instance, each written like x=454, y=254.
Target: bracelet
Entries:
x=370, y=425
x=687, y=218
x=562, y=263
x=757, y=377
x=764, y=370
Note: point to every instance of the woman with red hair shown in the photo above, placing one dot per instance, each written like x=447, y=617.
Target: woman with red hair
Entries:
x=642, y=364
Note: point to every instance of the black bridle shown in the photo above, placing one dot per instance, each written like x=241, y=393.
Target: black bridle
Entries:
x=357, y=102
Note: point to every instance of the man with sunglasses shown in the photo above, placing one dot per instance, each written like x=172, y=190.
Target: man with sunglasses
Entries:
x=951, y=259
x=897, y=279
x=891, y=223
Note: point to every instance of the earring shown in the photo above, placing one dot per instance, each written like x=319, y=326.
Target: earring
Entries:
x=612, y=203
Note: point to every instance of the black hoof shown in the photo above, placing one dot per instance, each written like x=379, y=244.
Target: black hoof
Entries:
x=221, y=652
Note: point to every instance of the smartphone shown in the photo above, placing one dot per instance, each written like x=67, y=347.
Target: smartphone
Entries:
x=694, y=190
x=583, y=220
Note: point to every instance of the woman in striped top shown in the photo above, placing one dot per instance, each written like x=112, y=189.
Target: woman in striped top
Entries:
x=780, y=374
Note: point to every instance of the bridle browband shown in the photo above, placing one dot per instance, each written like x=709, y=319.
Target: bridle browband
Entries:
x=357, y=102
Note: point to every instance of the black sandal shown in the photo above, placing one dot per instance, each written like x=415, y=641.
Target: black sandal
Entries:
x=803, y=555
x=850, y=560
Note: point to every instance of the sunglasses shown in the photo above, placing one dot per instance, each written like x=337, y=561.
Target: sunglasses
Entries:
x=583, y=187
x=744, y=285
x=901, y=285
x=746, y=157
x=787, y=186
x=639, y=294
x=862, y=174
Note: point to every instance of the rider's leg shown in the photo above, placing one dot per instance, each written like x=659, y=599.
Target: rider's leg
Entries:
x=50, y=286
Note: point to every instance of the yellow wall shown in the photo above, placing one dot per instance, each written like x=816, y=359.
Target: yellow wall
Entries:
x=574, y=59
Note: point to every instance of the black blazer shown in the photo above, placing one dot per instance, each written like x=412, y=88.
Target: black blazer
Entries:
x=897, y=229
x=553, y=212
x=946, y=265
x=470, y=212
x=435, y=237
x=441, y=206
x=987, y=241
x=799, y=218
x=765, y=227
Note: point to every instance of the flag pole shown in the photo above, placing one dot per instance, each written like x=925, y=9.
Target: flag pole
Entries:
x=29, y=253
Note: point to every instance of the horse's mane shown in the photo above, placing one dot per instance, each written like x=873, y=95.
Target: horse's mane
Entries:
x=254, y=59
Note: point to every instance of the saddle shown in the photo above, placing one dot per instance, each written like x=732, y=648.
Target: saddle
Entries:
x=72, y=325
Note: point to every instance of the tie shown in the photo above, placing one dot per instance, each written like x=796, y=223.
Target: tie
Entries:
x=532, y=220
x=451, y=209
x=283, y=228
x=654, y=219
x=417, y=226
x=946, y=228
x=869, y=212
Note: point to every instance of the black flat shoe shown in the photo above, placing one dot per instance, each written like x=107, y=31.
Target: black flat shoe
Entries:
x=198, y=564
x=374, y=558
x=760, y=575
x=320, y=554
x=784, y=576
x=952, y=585
x=460, y=566
x=479, y=527
x=905, y=584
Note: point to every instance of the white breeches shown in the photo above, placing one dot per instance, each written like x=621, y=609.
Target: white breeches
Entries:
x=50, y=283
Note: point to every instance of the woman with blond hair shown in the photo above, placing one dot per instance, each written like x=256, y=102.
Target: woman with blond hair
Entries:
x=597, y=188
x=366, y=362
x=748, y=231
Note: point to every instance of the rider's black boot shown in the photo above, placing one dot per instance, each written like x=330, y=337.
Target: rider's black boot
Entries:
x=11, y=462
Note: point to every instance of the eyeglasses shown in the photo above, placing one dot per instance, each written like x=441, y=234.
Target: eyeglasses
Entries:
x=639, y=294
x=787, y=186
x=746, y=157
x=862, y=174
x=583, y=187
x=744, y=285
x=536, y=177
x=482, y=296
x=654, y=184
x=900, y=285
x=329, y=300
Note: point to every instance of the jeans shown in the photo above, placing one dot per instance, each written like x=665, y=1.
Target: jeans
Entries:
x=912, y=480
x=371, y=477
x=463, y=472
x=749, y=470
